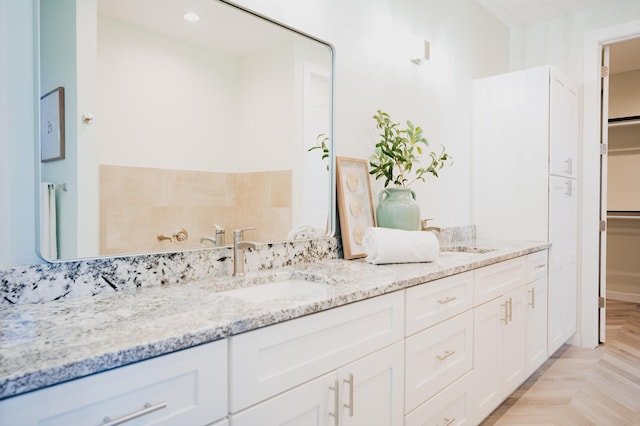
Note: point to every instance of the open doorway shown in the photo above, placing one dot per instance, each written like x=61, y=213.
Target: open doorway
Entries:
x=620, y=174
x=623, y=179
x=592, y=218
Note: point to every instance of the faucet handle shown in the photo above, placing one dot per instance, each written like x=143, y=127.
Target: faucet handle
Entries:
x=237, y=233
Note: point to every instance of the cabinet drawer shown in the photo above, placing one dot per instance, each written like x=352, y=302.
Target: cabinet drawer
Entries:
x=494, y=280
x=434, y=302
x=452, y=406
x=537, y=264
x=273, y=359
x=190, y=385
x=436, y=357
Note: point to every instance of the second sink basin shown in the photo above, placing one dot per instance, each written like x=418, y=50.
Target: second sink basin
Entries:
x=282, y=289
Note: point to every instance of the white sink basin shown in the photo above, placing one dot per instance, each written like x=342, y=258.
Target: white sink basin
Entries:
x=283, y=289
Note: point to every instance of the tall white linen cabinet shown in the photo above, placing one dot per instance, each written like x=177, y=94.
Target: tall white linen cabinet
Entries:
x=525, y=168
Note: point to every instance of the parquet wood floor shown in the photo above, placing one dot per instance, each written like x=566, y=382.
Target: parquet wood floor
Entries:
x=579, y=386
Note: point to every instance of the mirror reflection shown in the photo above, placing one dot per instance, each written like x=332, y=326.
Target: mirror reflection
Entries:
x=177, y=129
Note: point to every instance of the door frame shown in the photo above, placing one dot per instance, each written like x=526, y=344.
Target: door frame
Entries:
x=590, y=213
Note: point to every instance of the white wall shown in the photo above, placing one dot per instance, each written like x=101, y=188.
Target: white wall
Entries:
x=560, y=41
x=17, y=133
x=158, y=74
x=373, y=41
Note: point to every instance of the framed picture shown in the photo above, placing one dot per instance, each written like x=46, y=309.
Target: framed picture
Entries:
x=354, y=204
x=52, y=125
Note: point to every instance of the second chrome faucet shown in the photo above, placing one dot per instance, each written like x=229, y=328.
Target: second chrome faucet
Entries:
x=239, y=247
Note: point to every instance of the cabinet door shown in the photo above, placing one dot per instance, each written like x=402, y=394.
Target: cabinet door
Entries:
x=499, y=349
x=562, y=285
x=512, y=369
x=563, y=126
x=488, y=320
x=536, y=324
x=311, y=404
x=372, y=389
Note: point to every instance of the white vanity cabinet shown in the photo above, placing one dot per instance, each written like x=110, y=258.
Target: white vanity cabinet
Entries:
x=187, y=387
x=338, y=367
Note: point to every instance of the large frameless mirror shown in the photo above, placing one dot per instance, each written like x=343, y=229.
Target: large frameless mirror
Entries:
x=158, y=131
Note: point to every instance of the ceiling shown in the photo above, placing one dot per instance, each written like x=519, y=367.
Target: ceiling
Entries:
x=221, y=27
x=625, y=56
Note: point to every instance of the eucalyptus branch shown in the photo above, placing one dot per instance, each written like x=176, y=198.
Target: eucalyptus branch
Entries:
x=398, y=150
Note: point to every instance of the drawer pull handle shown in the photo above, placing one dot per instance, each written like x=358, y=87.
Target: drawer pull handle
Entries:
x=533, y=298
x=148, y=409
x=447, y=300
x=448, y=422
x=445, y=355
x=510, y=302
x=505, y=305
x=350, y=404
x=336, y=403
x=540, y=266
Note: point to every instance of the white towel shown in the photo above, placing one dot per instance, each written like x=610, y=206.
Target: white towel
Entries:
x=48, y=222
x=384, y=245
x=304, y=232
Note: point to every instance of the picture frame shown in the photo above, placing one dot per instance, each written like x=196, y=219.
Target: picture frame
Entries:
x=355, y=205
x=52, y=134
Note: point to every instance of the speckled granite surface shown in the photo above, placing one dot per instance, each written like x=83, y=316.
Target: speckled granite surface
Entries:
x=61, y=281
x=48, y=343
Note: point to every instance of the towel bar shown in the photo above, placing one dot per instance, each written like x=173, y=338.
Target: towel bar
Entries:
x=62, y=186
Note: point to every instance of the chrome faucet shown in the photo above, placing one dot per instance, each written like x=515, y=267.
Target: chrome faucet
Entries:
x=239, y=247
x=218, y=241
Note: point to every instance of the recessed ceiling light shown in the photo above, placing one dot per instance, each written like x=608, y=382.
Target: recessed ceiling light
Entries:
x=191, y=17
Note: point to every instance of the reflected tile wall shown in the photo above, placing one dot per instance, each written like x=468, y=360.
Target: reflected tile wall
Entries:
x=137, y=204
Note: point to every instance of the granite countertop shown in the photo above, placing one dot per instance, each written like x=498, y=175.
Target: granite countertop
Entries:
x=49, y=343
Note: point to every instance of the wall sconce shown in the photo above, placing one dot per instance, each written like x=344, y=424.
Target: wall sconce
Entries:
x=422, y=56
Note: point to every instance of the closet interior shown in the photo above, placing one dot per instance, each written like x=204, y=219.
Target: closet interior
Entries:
x=623, y=175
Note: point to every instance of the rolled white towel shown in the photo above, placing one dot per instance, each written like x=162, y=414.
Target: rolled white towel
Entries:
x=384, y=245
x=304, y=232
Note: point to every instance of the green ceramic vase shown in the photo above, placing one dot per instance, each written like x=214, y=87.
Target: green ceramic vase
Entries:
x=398, y=209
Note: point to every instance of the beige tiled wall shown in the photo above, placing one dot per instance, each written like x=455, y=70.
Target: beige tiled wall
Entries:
x=137, y=204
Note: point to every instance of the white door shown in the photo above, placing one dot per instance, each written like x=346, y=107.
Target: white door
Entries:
x=536, y=351
x=372, y=389
x=488, y=321
x=311, y=404
x=514, y=341
x=604, y=128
